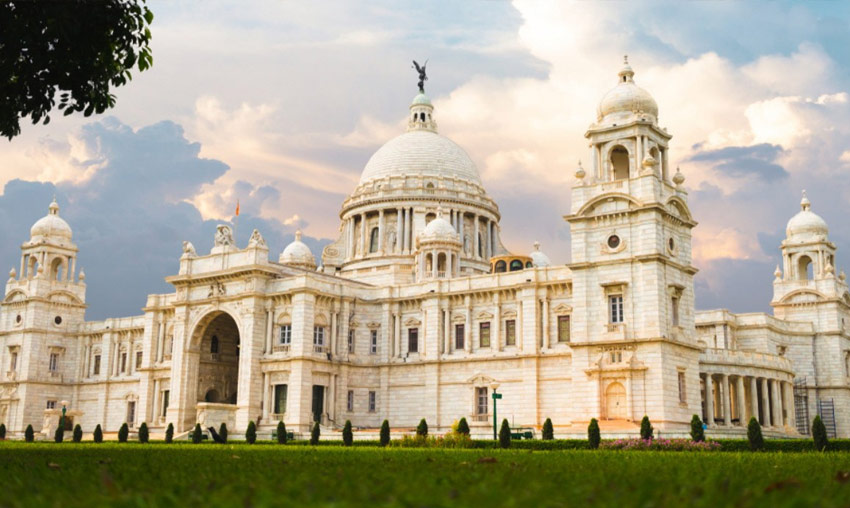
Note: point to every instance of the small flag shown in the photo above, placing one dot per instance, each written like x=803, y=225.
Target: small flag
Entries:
x=237, y=208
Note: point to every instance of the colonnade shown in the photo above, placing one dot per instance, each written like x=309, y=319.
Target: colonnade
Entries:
x=731, y=400
x=483, y=237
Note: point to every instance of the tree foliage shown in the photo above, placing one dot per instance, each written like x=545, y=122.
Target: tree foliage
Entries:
x=422, y=428
x=123, y=433
x=59, y=435
x=463, y=427
x=819, y=434
x=78, y=433
x=505, y=434
x=315, y=433
x=2, y=431
x=548, y=430
x=78, y=49
x=385, y=433
x=197, y=435
x=98, y=434
x=281, y=432
x=646, y=430
x=251, y=433
x=29, y=434
x=144, y=433
x=169, y=433
x=222, y=432
x=754, y=435
x=697, y=431
x=347, y=434
x=593, y=435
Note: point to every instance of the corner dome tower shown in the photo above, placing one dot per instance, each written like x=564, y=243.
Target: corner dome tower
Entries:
x=626, y=101
x=806, y=226
x=298, y=254
x=51, y=227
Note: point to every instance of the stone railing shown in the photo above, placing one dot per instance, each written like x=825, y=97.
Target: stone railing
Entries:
x=281, y=348
x=320, y=349
x=712, y=356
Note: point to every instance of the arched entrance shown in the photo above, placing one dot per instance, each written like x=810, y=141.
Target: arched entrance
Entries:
x=218, y=369
x=615, y=402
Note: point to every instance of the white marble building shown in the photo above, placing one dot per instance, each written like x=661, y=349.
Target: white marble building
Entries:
x=418, y=311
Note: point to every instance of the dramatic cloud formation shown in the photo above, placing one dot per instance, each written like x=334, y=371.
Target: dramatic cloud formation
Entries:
x=131, y=215
x=295, y=97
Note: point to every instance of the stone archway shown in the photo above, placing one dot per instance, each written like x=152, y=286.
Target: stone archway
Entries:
x=615, y=402
x=218, y=362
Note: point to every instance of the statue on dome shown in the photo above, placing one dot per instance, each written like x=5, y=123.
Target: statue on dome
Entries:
x=422, y=76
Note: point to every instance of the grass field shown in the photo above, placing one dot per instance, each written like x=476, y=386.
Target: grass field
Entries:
x=77, y=475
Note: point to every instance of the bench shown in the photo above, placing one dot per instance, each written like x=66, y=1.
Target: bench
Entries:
x=519, y=434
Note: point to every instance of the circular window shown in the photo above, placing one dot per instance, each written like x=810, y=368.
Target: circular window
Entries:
x=671, y=244
x=613, y=241
x=58, y=320
x=18, y=318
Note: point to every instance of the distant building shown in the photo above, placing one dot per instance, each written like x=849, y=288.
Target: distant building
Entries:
x=418, y=311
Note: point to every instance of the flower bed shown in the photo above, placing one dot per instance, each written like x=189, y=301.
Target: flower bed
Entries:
x=677, y=445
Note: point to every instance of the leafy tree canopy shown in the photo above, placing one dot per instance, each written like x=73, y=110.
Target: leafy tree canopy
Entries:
x=75, y=51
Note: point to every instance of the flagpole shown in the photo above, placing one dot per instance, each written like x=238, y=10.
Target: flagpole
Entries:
x=236, y=222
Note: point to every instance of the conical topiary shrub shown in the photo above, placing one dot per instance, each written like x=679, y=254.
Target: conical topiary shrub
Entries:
x=281, y=432
x=144, y=434
x=169, y=433
x=78, y=433
x=29, y=434
x=196, y=434
x=2, y=431
x=315, y=433
x=463, y=427
x=98, y=434
x=593, y=436
x=646, y=429
x=123, y=433
x=422, y=428
x=754, y=435
x=819, y=434
x=251, y=433
x=385, y=433
x=347, y=434
x=59, y=435
x=548, y=430
x=222, y=432
x=697, y=432
x=505, y=434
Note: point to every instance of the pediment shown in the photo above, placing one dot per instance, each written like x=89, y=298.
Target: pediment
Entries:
x=412, y=322
x=562, y=309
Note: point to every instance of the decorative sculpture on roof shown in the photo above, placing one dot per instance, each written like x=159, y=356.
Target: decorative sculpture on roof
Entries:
x=422, y=76
x=188, y=248
x=223, y=235
x=256, y=240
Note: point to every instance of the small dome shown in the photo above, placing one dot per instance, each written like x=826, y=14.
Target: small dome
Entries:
x=538, y=259
x=439, y=228
x=298, y=254
x=51, y=225
x=626, y=100
x=421, y=99
x=806, y=226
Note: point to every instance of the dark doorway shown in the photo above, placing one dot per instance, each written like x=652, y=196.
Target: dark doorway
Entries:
x=318, y=402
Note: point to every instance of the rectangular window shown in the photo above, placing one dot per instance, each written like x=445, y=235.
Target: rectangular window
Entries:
x=51, y=404
x=280, y=392
x=675, y=310
x=54, y=362
x=96, y=369
x=413, y=340
x=615, y=306
x=349, y=401
x=131, y=412
x=351, y=341
x=13, y=363
x=484, y=334
x=373, y=346
x=372, y=401
x=285, y=335
x=510, y=332
x=481, y=400
x=138, y=359
x=165, y=396
x=616, y=356
x=123, y=362
x=459, y=336
x=683, y=397
x=563, y=328
x=318, y=335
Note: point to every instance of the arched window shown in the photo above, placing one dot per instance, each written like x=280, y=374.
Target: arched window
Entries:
x=211, y=396
x=619, y=163
x=214, y=345
x=373, y=240
x=529, y=264
x=422, y=116
x=804, y=268
x=56, y=269
x=442, y=268
x=516, y=265
x=501, y=267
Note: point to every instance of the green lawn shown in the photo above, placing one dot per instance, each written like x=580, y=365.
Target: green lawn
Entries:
x=71, y=475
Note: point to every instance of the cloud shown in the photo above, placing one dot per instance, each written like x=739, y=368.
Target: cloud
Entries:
x=131, y=215
x=743, y=161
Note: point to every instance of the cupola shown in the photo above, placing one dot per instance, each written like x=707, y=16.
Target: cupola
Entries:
x=298, y=254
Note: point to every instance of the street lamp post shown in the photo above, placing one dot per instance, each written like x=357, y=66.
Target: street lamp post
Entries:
x=496, y=396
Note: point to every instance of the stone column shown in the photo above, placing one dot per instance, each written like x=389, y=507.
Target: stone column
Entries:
x=727, y=404
x=408, y=230
x=789, y=405
x=476, y=247
x=496, y=327
x=381, y=232
x=160, y=339
x=460, y=230
x=447, y=329
x=709, y=400
x=266, y=398
x=754, y=398
x=351, y=244
x=397, y=337
x=363, y=247
x=777, y=404
x=518, y=326
x=546, y=340
x=435, y=256
x=398, y=232
x=269, y=342
x=332, y=340
x=765, y=404
x=742, y=404
x=467, y=335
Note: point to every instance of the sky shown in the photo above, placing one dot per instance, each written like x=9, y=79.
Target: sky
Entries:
x=280, y=104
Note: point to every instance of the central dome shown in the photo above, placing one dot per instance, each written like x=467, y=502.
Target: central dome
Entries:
x=420, y=152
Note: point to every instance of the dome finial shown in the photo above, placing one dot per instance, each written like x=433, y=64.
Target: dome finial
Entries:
x=536, y=245
x=626, y=73
x=54, y=206
x=580, y=173
x=297, y=235
x=805, y=204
